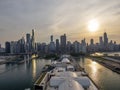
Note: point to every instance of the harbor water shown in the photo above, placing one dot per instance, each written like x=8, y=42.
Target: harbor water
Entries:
x=21, y=76
x=103, y=77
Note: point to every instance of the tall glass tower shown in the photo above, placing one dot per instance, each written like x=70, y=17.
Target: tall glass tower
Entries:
x=105, y=39
x=33, y=40
x=63, y=43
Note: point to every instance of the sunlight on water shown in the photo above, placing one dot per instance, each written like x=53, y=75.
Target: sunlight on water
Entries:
x=94, y=67
x=34, y=68
x=103, y=77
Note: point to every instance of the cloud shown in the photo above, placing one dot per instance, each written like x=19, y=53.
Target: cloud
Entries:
x=56, y=16
x=2, y=29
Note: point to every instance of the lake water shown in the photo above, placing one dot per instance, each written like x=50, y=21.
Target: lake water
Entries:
x=19, y=77
x=104, y=78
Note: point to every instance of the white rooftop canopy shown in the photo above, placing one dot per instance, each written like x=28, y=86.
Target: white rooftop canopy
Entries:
x=65, y=60
x=70, y=85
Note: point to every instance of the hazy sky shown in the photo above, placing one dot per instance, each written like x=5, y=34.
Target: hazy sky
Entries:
x=18, y=17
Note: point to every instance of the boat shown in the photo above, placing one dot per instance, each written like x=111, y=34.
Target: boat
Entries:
x=64, y=77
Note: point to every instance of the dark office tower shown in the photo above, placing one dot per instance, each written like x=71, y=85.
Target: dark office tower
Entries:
x=51, y=38
x=7, y=47
x=0, y=45
x=28, y=42
x=33, y=40
x=68, y=46
x=27, y=38
x=101, y=40
x=92, y=41
x=105, y=39
x=22, y=45
x=52, y=45
x=57, y=45
x=35, y=46
x=115, y=42
x=63, y=43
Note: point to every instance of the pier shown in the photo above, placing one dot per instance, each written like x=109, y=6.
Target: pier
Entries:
x=42, y=83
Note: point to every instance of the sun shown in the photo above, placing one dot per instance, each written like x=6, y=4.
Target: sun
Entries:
x=93, y=25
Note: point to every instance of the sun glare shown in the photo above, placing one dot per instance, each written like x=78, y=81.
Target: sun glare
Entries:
x=93, y=25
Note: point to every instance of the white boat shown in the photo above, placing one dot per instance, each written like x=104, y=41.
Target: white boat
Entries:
x=64, y=77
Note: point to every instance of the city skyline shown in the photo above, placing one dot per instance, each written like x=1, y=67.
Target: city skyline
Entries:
x=32, y=35
x=59, y=45
x=58, y=17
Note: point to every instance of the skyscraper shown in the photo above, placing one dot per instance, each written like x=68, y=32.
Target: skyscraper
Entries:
x=83, y=46
x=13, y=47
x=105, y=42
x=91, y=41
x=57, y=45
x=63, y=43
x=7, y=47
x=92, y=46
x=33, y=40
x=101, y=44
x=105, y=39
x=28, y=38
x=76, y=45
x=52, y=45
x=101, y=40
x=69, y=45
x=22, y=45
x=51, y=38
x=28, y=42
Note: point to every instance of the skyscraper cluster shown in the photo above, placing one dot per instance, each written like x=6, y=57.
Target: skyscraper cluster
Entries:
x=59, y=46
x=62, y=46
x=22, y=45
x=103, y=45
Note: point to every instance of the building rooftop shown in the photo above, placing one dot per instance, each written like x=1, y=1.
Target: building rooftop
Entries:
x=65, y=60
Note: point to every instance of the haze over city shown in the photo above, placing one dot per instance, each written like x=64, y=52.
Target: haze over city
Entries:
x=55, y=17
x=59, y=44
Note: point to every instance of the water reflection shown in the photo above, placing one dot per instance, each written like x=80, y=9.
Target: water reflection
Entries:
x=104, y=78
x=2, y=68
x=24, y=77
x=94, y=69
x=21, y=76
x=34, y=68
